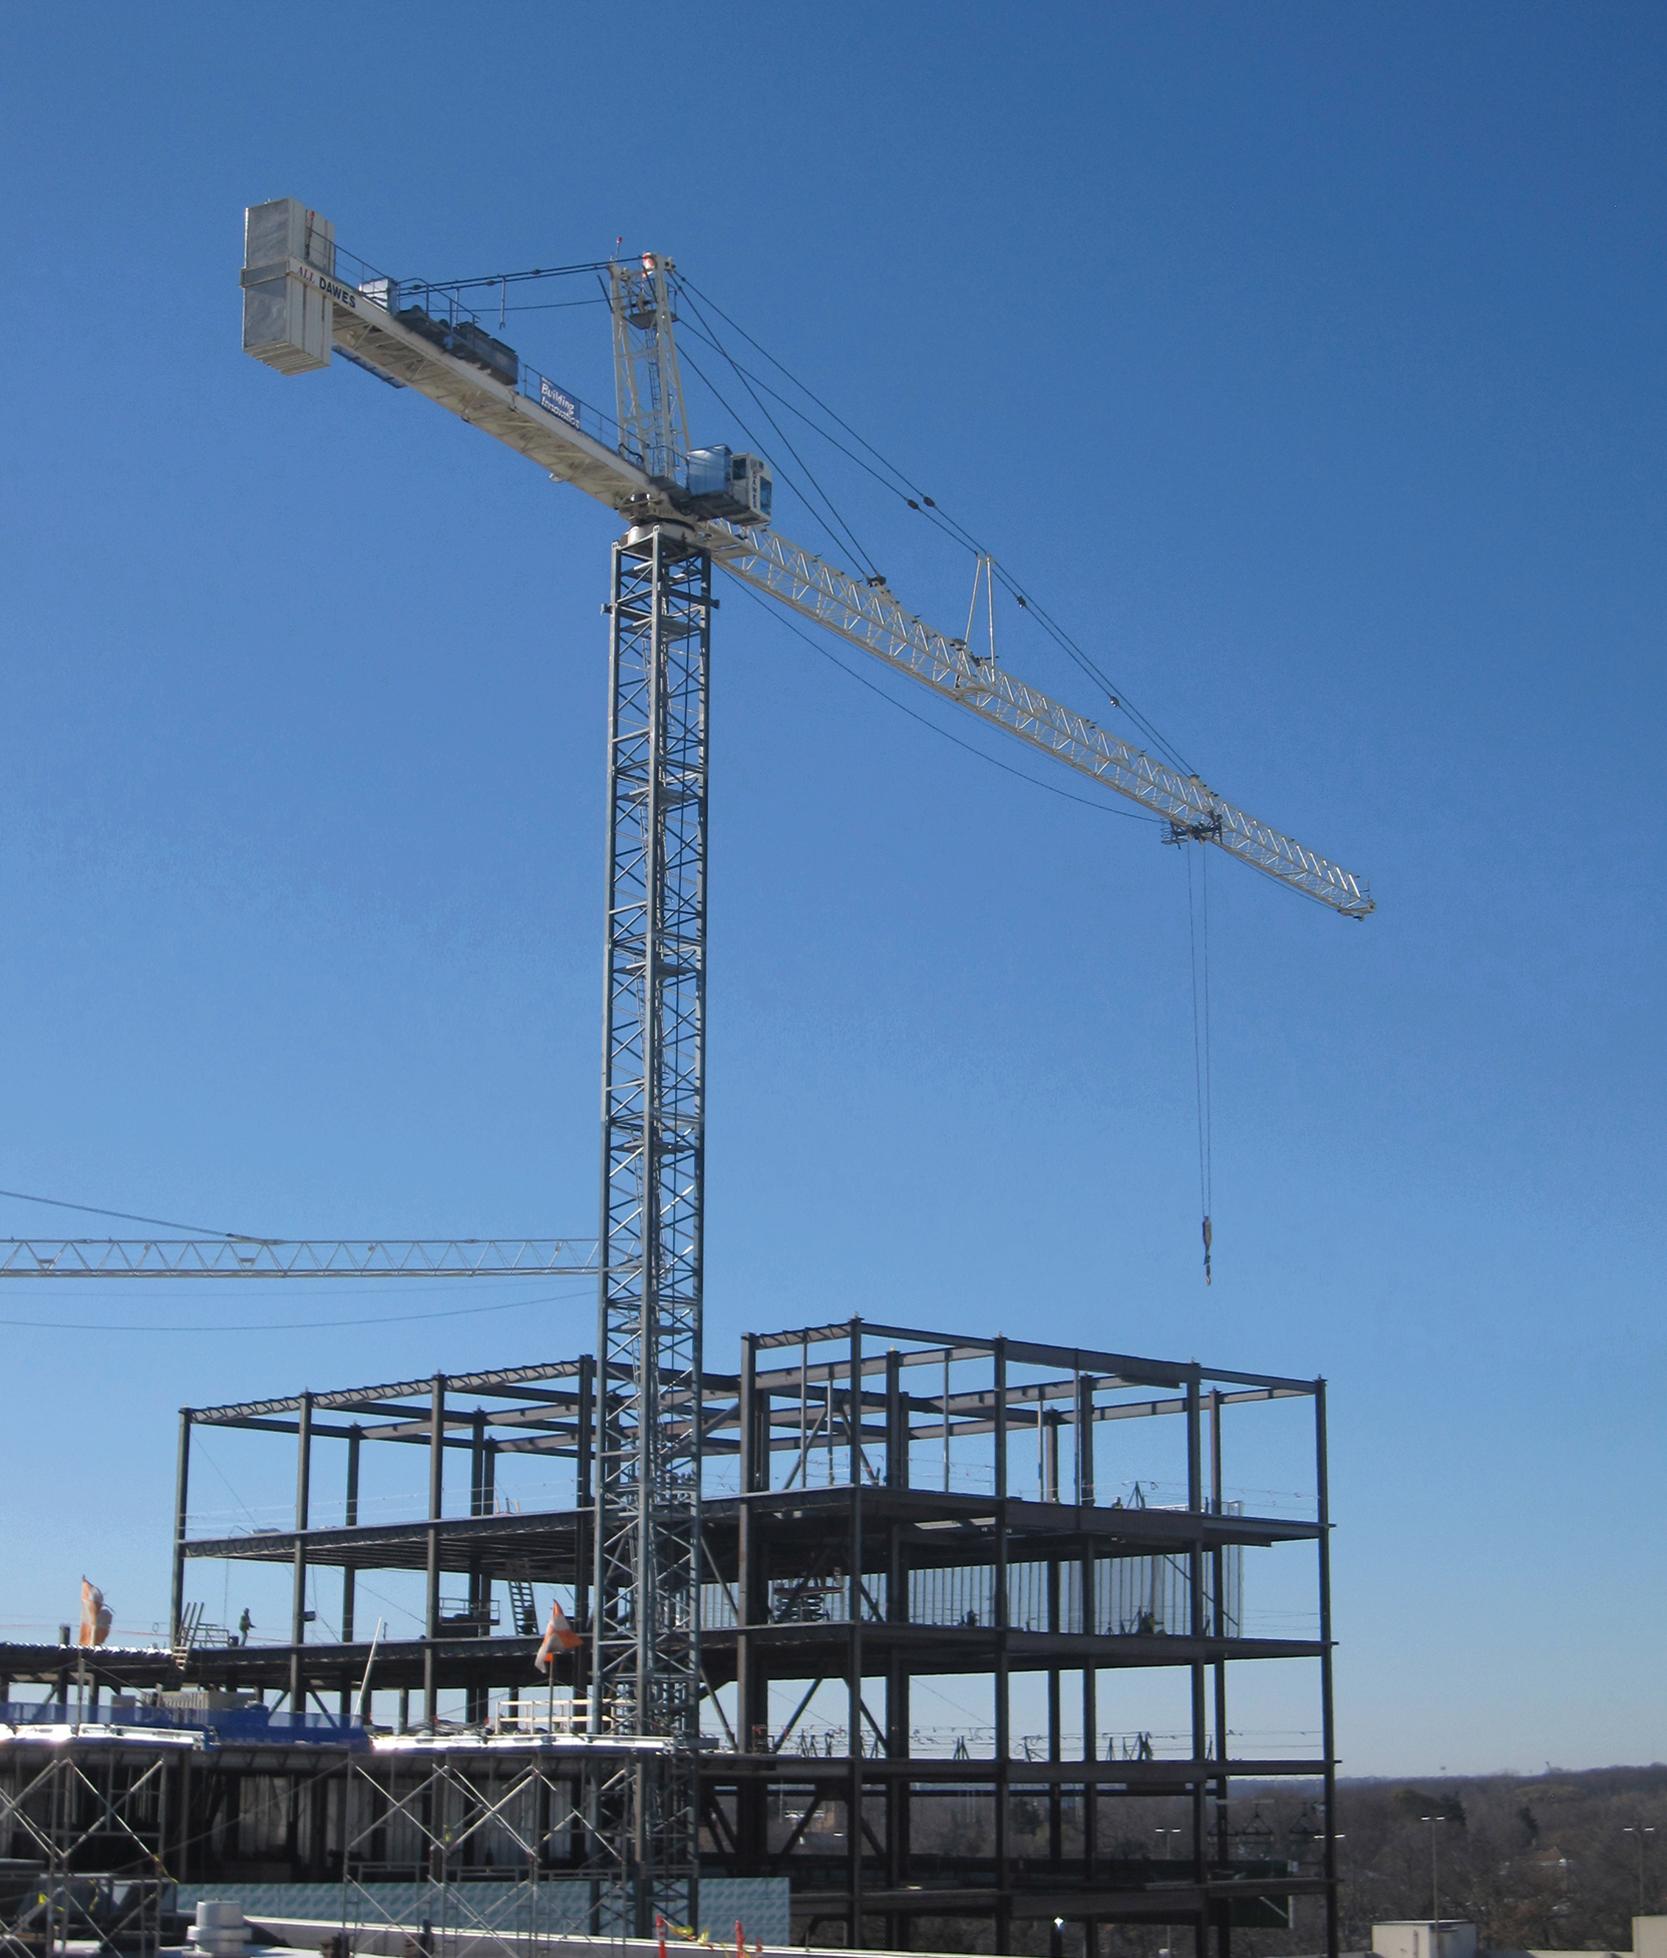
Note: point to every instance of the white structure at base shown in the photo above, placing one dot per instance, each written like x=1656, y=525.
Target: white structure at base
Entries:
x=1424, y=1937
x=219, y=1930
x=1452, y=1937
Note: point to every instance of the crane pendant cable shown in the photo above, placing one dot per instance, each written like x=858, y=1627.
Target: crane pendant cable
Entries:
x=1198, y=941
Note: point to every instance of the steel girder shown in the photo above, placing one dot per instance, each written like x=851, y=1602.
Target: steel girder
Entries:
x=645, y=1676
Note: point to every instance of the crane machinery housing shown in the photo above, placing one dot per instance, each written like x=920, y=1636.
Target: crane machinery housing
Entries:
x=687, y=510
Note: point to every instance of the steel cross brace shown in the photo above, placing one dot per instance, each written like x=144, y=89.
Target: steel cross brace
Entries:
x=444, y=1809
x=62, y=1913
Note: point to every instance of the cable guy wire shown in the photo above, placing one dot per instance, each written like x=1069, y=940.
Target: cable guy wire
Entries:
x=293, y=1325
x=131, y=1217
x=917, y=498
x=903, y=707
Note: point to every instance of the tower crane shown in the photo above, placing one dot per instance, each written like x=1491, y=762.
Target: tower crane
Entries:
x=686, y=511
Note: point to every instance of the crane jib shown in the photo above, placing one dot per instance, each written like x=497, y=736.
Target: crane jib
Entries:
x=871, y=618
x=542, y=422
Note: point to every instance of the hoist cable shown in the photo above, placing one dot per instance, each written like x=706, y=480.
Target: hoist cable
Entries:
x=1209, y=1094
x=219, y=1326
x=802, y=386
x=556, y=305
x=504, y=278
x=741, y=375
x=917, y=499
x=863, y=680
x=741, y=423
x=930, y=508
x=1198, y=948
x=1087, y=665
x=793, y=408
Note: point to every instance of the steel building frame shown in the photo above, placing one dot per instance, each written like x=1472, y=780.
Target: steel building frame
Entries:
x=886, y=1512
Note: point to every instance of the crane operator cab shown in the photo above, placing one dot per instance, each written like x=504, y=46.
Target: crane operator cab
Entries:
x=723, y=483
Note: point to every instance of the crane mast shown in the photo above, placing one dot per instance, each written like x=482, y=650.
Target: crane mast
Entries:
x=645, y=1635
x=687, y=512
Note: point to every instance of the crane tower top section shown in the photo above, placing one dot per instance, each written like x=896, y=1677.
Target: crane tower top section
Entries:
x=304, y=296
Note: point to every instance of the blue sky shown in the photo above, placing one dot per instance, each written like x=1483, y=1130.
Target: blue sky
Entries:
x=1306, y=361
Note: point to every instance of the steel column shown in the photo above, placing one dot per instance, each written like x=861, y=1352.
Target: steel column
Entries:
x=1328, y=1732
x=1198, y=1625
x=182, y=1494
x=303, y=1513
x=854, y=1850
x=436, y=1510
x=1218, y=1580
x=752, y=1692
x=350, y=1518
x=1003, y=1696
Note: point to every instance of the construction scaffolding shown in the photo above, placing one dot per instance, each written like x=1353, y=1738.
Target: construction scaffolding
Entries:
x=82, y=1832
x=976, y=1619
x=111, y=1826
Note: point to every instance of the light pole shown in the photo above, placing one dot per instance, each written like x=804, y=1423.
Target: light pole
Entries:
x=1639, y=1830
x=1168, y=1848
x=1435, y=1908
x=1058, y=1947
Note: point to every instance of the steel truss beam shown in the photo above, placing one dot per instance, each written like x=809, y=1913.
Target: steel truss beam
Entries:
x=250, y=1257
x=869, y=617
x=507, y=1383
x=645, y=1639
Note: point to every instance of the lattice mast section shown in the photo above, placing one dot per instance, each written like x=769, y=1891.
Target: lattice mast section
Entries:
x=645, y=1635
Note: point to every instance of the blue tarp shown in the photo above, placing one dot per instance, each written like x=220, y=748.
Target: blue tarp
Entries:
x=226, y=1725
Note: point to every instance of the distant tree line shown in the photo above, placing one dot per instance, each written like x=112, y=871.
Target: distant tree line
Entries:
x=1550, y=1861
x=1556, y=1860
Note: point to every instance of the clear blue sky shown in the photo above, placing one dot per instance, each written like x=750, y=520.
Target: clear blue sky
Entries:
x=1306, y=360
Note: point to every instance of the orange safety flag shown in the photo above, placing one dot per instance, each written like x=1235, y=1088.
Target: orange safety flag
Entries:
x=95, y=1615
x=559, y=1636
